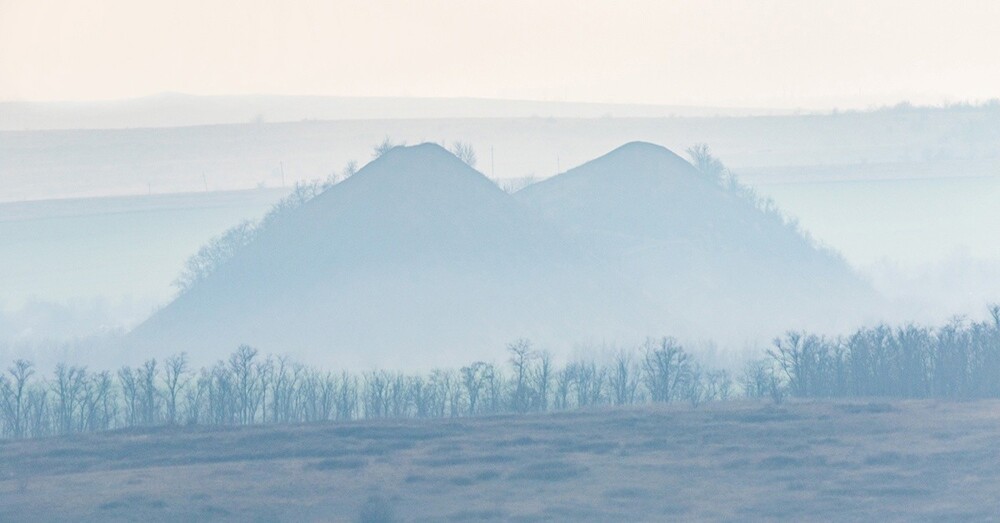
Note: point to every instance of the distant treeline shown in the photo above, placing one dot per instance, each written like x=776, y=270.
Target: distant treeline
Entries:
x=958, y=360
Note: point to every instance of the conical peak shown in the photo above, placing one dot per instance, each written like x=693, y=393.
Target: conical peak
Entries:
x=642, y=166
x=640, y=147
x=425, y=154
x=426, y=162
x=645, y=156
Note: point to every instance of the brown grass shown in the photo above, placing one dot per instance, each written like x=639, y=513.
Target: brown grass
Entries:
x=912, y=460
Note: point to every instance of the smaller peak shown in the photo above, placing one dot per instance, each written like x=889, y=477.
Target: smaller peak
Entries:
x=642, y=149
x=426, y=150
x=430, y=147
x=641, y=157
x=429, y=162
x=641, y=146
x=420, y=157
x=637, y=162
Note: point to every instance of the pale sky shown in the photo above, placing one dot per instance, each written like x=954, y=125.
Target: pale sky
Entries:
x=782, y=54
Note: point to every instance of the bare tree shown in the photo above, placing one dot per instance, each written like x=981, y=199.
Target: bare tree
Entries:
x=150, y=397
x=174, y=381
x=195, y=410
x=39, y=414
x=350, y=169
x=284, y=381
x=464, y=152
x=213, y=254
x=810, y=363
x=564, y=379
x=129, y=383
x=623, y=379
x=474, y=380
x=441, y=393
x=399, y=400
x=757, y=378
x=384, y=147
x=665, y=368
x=542, y=380
x=377, y=386
x=97, y=402
x=521, y=357
x=13, y=395
x=718, y=386
x=245, y=384
x=7, y=411
x=512, y=185
x=589, y=382
x=495, y=386
x=69, y=381
x=704, y=161
x=421, y=396
x=347, y=397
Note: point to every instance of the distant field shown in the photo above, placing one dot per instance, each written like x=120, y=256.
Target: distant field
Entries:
x=58, y=250
x=876, y=145
x=910, y=221
x=908, y=460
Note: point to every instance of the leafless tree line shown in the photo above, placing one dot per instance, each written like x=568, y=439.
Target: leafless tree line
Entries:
x=250, y=388
x=958, y=360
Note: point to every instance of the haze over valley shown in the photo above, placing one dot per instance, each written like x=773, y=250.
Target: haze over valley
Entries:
x=879, y=188
x=559, y=260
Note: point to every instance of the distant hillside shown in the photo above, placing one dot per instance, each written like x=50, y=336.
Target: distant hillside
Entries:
x=799, y=149
x=176, y=110
x=702, y=247
x=418, y=259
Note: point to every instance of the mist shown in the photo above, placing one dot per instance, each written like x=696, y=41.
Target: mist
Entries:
x=456, y=261
x=884, y=201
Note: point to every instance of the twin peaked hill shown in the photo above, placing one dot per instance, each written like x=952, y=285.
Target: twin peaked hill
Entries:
x=420, y=260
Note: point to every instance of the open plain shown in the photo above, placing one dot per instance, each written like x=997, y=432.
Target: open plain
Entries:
x=826, y=460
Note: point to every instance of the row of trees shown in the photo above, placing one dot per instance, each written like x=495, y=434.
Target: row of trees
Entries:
x=250, y=388
x=958, y=360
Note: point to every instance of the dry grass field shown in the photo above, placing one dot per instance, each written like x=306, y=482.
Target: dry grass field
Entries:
x=907, y=460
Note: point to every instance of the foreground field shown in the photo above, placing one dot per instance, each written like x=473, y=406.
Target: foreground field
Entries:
x=912, y=460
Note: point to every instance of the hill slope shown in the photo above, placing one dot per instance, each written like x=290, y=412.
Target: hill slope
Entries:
x=705, y=252
x=418, y=260
x=417, y=254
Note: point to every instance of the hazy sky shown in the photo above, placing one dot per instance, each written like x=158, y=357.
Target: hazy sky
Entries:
x=740, y=53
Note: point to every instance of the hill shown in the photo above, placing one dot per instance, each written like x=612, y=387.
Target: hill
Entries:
x=419, y=260
x=416, y=259
x=703, y=247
